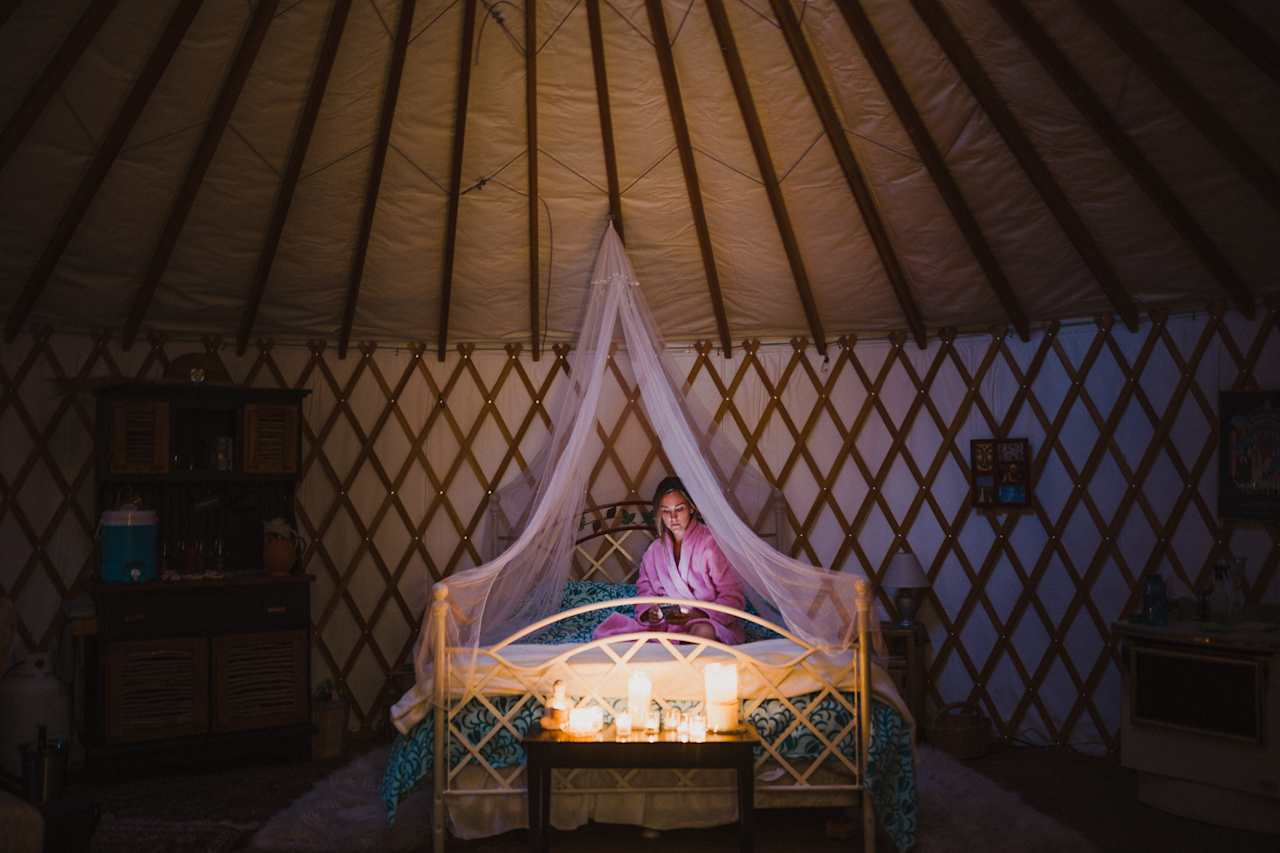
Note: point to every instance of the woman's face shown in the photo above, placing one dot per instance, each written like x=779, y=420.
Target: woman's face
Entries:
x=676, y=513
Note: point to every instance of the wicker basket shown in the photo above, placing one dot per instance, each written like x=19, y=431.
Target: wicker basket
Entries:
x=962, y=730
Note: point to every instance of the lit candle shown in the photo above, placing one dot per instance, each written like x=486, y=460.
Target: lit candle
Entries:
x=651, y=721
x=698, y=727
x=586, y=721
x=671, y=718
x=580, y=721
x=721, y=682
x=622, y=724
x=639, y=693
x=683, y=730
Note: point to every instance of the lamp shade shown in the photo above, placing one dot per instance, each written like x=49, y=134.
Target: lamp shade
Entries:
x=904, y=572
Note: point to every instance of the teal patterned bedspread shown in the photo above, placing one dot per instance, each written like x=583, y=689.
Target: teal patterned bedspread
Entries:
x=890, y=766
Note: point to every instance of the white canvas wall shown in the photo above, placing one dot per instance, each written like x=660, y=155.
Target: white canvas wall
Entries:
x=1020, y=605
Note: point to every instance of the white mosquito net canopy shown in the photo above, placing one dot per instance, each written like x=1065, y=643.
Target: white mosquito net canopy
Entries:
x=525, y=582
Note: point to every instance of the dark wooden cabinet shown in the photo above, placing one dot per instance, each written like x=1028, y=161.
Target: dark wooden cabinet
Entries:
x=186, y=667
x=211, y=659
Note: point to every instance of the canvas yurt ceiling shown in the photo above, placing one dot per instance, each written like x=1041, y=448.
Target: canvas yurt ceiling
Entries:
x=364, y=169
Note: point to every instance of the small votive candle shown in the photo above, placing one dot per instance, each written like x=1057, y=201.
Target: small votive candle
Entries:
x=683, y=730
x=585, y=721
x=671, y=718
x=698, y=728
x=622, y=724
x=651, y=721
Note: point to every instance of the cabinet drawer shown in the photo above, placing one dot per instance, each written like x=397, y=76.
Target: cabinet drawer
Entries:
x=130, y=614
x=272, y=607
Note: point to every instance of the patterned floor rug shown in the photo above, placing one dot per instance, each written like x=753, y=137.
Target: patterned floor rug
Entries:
x=156, y=835
x=961, y=811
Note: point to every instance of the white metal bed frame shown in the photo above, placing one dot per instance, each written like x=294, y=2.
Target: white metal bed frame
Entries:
x=535, y=682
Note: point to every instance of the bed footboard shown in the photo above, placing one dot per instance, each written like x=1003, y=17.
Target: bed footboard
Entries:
x=600, y=665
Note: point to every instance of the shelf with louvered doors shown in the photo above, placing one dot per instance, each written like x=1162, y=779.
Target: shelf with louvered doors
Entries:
x=139, y=437
x=201, y=670
x=156, y=689
x=260, y=680
x=271, y=439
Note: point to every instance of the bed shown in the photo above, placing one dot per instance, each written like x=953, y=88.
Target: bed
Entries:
x=821, y=746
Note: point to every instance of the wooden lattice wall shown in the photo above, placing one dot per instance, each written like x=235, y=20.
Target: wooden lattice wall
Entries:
x=870, y=446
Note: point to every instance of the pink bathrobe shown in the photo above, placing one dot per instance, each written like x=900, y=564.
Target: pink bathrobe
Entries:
x=703, y=574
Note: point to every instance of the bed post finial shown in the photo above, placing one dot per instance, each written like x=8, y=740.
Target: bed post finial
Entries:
x=440, y=676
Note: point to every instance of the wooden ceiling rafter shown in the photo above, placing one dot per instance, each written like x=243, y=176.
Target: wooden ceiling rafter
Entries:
x=1244, y=35
x=909, y=117
x=455, y=171
x=53, y=76
x=596, y=31
x=96, y=172
x=223, y=107
x=764, y=162
x=675, y=106
x=531, y=143
x=854, y=177
x=293, y=170
x=390, y=95
x=993, y=104
x=1178, y=89
x=1125, y=149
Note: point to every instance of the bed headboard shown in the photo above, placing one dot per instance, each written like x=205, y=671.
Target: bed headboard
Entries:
x=613, y=536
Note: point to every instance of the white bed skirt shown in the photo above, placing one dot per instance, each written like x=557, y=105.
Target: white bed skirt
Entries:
x=707, y=798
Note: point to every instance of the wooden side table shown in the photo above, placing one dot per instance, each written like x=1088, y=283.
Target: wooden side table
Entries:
x=550, y=749
x=906, y=665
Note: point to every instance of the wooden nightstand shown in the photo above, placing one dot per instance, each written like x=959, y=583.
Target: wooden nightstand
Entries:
x=906, y=665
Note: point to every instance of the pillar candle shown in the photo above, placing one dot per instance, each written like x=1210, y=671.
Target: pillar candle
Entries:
x=639, y=693
x=721, y=683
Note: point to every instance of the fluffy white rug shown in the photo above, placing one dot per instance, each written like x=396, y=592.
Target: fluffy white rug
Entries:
x=961, y=811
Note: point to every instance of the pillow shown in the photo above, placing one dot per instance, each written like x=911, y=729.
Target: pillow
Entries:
x=578, y=629
x=579, y=592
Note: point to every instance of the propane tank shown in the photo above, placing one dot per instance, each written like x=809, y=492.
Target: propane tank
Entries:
x=31, y=696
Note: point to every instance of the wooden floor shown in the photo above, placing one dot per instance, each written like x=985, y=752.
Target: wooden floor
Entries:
x=1094, y=796
x=1098, y=798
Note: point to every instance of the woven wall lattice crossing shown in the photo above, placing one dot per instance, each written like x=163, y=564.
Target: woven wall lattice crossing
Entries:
x=869, y=446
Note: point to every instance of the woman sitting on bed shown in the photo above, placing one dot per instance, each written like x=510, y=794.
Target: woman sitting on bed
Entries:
x=683, y=562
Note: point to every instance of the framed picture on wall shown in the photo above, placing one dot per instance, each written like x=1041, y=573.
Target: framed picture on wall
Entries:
x=1249, y=455
x=1001, y=470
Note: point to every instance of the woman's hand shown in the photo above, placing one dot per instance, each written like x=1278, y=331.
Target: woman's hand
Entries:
x=652, y=617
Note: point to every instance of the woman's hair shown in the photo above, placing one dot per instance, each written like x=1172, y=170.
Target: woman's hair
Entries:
x=666, y=487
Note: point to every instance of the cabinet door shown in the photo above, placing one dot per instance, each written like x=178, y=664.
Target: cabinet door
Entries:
x=260, y=680
x=156, y=689
x=139, y=437
x=270, y=439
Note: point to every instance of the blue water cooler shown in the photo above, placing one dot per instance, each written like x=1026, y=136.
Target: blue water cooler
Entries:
x=128, y=545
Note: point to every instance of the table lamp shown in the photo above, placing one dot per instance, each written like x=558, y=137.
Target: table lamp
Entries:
x=906, y=577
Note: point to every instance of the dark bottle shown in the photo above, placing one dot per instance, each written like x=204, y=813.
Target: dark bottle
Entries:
x=1155, y=600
